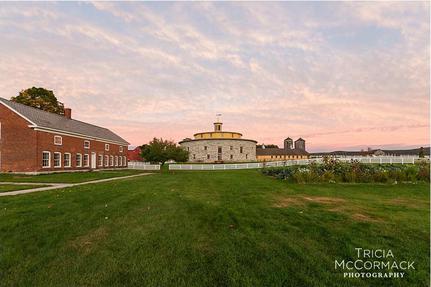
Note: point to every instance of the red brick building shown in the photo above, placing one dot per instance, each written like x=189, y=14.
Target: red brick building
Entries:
x=35, y=141
x=134, y=154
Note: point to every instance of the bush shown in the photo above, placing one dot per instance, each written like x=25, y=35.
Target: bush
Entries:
x=332, y=170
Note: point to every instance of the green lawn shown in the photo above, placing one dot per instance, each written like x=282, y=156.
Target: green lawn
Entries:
x=13, y=187
x=233, y=228
x=67, y=177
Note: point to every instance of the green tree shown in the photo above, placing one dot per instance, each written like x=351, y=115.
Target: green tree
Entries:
x=159, y=150
x=40, y=98
x=421, y=152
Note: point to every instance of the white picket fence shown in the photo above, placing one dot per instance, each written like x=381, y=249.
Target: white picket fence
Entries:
x=143, y=166
x=231, y=166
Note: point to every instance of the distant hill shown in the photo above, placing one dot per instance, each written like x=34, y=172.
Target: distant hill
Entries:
x=395, y=152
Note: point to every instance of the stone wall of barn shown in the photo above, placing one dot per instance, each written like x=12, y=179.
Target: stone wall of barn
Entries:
x=232, y=150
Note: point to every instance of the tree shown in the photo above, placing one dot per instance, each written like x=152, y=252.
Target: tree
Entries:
x=267, y=146
x=159, y=150
x=421, y=152
x=40, y=98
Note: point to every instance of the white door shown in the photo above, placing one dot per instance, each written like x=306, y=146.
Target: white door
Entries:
x=93, y=160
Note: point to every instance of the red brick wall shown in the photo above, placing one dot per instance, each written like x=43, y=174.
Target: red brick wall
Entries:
x=75, y=145
x=17, y=143
x=135, y=154
x=21, y=147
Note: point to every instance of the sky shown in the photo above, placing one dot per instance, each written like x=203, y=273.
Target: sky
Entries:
x=341, y=75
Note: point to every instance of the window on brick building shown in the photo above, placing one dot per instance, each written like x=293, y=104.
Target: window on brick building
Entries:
x=205, y=148
x=107, y=147
x=87, y=144
x=231, y=156
x=240, y=149
x=66, y=160
x=57, y=159
x=100, y=160
x=86, y=160
x=116, y=160
x=106, y=160
x=246, y=156
x=125, y=161
x=112, y=161
x=121, y=149
x=194, y=156
x=120, y=161
x=231, y=147
x=46, y=159
x=78, y=160
x=58, y=140
x=208, y=156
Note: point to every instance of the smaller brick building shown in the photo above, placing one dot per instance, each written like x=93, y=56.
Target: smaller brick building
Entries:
x=134, y=154
x=35, y=141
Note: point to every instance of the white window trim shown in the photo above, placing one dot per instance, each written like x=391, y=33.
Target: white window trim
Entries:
x=89, y=144
x=107, y=147
x=121, y=148
x=88, y=160
x=111, y=160
x=49, y=159
x=61, y=140
x=80, y=160
x=98, y=159
x=57, y=166
x=125, y=160
x=116, y=160
x=106, y=160
x=120, y=161
x=70, y=159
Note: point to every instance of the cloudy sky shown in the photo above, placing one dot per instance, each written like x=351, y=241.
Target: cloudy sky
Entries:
x=339, y=74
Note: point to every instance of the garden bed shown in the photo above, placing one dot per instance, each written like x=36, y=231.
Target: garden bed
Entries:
x=332, y=170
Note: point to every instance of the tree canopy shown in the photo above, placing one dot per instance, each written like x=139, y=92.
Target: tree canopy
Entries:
x=267, y=146
x=40, y=98
x=159, y=150
x=421, y=152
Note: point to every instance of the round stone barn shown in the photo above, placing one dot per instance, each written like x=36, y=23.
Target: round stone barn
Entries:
x=219, y=146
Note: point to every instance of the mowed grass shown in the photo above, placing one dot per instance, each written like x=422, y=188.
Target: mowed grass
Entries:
x=235, y=228
x=13, y=187
x=67, y=177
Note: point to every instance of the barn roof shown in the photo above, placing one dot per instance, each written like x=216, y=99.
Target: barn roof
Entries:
x=54, y=122
x=280, y=151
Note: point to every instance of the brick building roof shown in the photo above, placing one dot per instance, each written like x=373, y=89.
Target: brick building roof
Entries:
x=50, y=121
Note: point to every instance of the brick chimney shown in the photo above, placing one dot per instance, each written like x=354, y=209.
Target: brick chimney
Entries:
x=68, y=113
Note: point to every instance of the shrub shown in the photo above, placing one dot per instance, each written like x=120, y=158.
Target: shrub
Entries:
x=332, y=170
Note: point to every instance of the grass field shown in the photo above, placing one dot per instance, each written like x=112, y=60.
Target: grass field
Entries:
x=235, y=228
x=67, y=177
x=13, y=187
